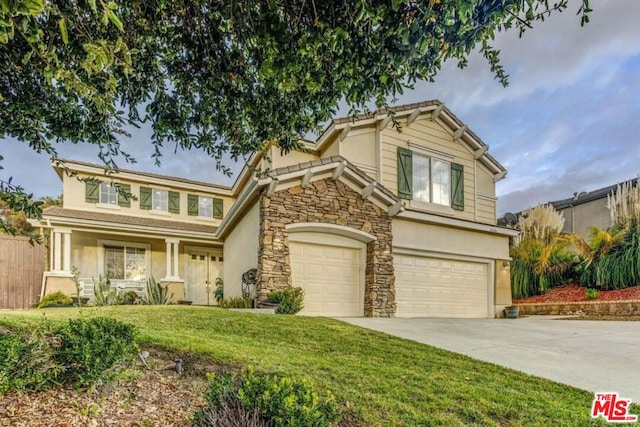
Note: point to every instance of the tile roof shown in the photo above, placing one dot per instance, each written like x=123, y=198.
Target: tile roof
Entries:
x=58, y=212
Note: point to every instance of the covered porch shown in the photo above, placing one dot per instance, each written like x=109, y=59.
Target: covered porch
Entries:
x=128, y=251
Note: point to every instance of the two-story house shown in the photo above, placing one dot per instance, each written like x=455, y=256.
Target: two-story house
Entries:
x=370, y=220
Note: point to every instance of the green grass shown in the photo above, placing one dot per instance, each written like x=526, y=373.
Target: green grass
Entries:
x=385, y=380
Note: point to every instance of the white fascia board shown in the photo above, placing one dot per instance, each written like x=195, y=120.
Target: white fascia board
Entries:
x=238, y=207
x=457, y=223
x=165, y=182
x=129, y=229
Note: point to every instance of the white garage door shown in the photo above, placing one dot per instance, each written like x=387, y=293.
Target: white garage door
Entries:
x=330, y=277
x=433, y=287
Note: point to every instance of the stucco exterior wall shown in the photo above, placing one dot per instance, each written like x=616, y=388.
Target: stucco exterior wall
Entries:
x=278, y=160
x=59, y=283
x=591, y=213
x=359, y=147
x=503, y=286
x=241, y=251
x=447, y=240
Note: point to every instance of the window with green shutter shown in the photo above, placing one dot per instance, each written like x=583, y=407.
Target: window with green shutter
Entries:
x=192, y=204
x=124, y=195
x=430, y=180
x=174, y=202
x=92, y=191
x=405, y=173
x=145, y=198
x=217, y=208
x=457, y=186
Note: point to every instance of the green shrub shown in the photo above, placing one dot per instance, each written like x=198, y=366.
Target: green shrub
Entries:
x=592, y=293
x=27, y=359
x=55, y=299
x=91, y=349
x=236, y=302
x=219, y=292
x=130, y=297
x=156, y=293
x=290, y=300
x=281, y=401
x=104, y=293
x=536, y=266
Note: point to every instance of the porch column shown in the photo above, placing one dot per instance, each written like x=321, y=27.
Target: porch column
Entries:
x=172, y=255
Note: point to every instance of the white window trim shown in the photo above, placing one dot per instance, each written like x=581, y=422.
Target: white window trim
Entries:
x=119, y=243
x=210, y=200
x=153, y=193
x=432, y=205
x=102, y=203
x=429, y=152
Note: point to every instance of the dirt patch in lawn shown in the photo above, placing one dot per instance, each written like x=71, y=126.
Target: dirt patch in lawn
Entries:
x=144, y=396
x=602, y=317
x=575, y=293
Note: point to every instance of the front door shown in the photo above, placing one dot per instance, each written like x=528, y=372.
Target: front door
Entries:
x=204, y=267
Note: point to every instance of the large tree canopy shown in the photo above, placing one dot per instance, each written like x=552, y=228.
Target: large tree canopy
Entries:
x=227, y=76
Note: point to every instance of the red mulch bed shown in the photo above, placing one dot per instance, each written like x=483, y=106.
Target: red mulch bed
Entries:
x=575, y=293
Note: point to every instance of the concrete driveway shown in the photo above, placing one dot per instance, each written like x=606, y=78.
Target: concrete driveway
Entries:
x=592, y=355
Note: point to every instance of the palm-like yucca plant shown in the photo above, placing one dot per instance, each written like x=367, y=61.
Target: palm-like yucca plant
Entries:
x=537, y=266
x=591, y=252
x=156, y=293
x=540, y=258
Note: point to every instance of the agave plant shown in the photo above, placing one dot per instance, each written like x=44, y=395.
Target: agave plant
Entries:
x=104, y=293
x=156, y=293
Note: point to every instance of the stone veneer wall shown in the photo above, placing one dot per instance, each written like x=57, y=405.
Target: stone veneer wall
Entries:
x=331, y=202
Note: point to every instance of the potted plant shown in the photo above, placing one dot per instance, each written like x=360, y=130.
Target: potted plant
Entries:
x=511, y=312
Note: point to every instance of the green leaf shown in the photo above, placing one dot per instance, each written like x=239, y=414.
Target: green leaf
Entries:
x=63, y=30
x=115, y=20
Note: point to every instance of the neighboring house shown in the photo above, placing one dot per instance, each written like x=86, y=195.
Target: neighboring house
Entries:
x=371, y=220
x=583, y=210
x=586, y=209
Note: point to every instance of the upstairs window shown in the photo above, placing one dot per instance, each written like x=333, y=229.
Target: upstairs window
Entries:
x=205, y=206
x=108, y=194
x=430, y=180
x=159, y=200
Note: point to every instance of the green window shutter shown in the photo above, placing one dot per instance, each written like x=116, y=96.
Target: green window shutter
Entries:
x=92, y=191
x=405, y=173
x=145, y=198
x=192, y=204
x=174, y=202
x=124, y=195
x=217, y=208
x=457, y=186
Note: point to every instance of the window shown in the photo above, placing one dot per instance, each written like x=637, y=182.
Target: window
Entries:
x=205, y=206
x=430, y=180
x=108, y=194
x=160, y=200
x=125, y=263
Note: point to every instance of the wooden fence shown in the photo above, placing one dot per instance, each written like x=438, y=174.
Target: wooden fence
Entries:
x=21, y=269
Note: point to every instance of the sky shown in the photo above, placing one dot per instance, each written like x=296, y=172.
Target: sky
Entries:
x=566, y=123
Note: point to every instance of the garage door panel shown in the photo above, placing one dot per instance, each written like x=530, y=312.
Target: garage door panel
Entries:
x=433, y=287
x=330, y=277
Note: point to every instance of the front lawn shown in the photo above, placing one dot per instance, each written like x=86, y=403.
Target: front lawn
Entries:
x=383, y=380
